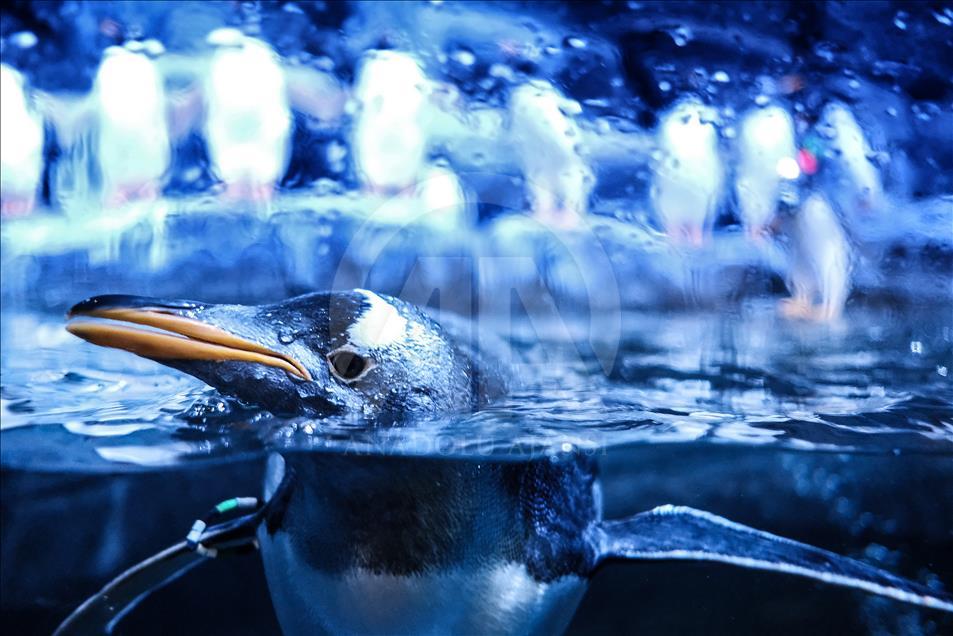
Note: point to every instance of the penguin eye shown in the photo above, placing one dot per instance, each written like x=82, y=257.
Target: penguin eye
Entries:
x=348, y=365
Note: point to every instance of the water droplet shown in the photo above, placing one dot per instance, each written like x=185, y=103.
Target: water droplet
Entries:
x=892, y=111
x=576, y=43
x=324, y=63
x=463, y=57
x=24, y=39
x=286, y=337
x=762, y=100
x=900, y=20
x=336, y=151
x=942, y=370
x=681, y=36
x=945, y=18
x=825, y=51
x=922, y=112
x=787, y=168
x=664, y=86
x=153, y=47
x=501, y=71
x=721, y=77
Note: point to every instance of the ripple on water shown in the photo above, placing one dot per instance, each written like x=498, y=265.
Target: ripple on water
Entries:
x=748, y=379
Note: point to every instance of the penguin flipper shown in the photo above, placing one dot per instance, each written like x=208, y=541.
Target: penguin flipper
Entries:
x=686, y=534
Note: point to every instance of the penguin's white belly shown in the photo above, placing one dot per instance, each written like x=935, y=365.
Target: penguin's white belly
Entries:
x=766, y=145
x=22, y=177
x=554, y=163
x=389, y=152
x=254, y=161
x=688, y=189
x=21, y=156
x=758, y=191
x=495, y=598
x=133, y=155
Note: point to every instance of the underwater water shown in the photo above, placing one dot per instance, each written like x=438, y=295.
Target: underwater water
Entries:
x=641, y=299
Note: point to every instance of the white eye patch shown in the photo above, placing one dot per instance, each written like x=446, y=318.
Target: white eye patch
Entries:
x=381, y=325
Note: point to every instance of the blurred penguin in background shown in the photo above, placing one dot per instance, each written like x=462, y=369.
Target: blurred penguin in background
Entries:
x=850, y=177
x=776, y=189
x=21, y=146
x=247, y=116
x=689, y=179
x=395, y=105
x=547, y=143
x=819, y=255
x=767, y=156
x=389, y=135
x=132, y=142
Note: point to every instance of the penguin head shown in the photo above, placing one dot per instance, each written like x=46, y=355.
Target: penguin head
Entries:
x=353, y=352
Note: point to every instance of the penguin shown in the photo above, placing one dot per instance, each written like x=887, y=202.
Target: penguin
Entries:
x=21, y=145
x=767, y=154
x=316, y=355
x=248, y=118
x=392, y=544
x=407, y=545
x=384, y=543
x=389, y=134
x=854, y=180
x=769, y=170
x=688, y=182
x=819, y=260
x=548, y=144
x=132, y=139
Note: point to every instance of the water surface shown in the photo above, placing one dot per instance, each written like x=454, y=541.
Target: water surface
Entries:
x=877, y=383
